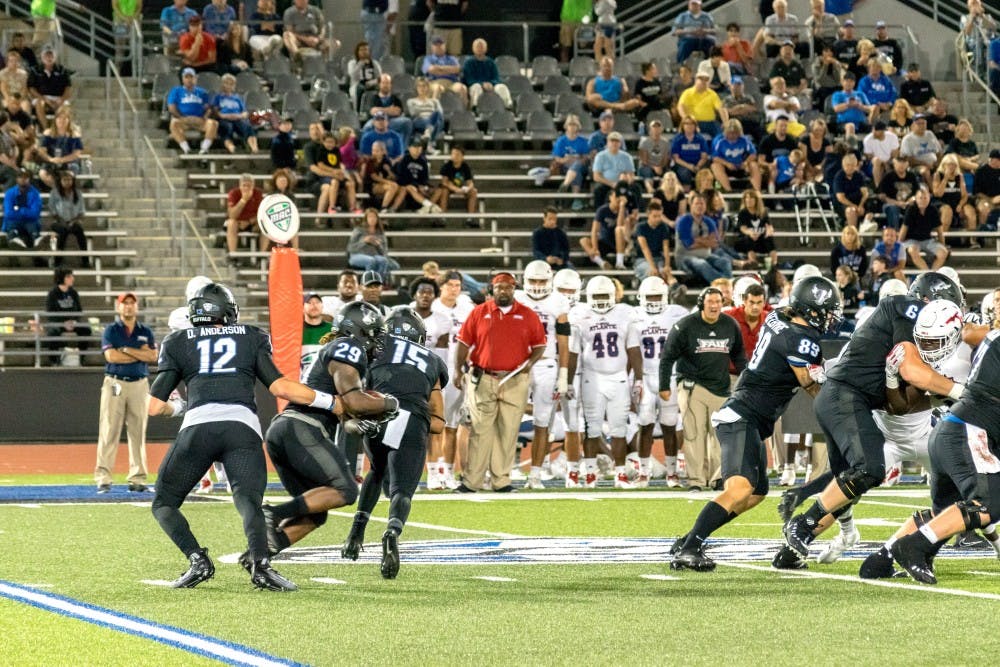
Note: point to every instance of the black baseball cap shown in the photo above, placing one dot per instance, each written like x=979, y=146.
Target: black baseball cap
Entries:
x=370, y=278
x=995, y=154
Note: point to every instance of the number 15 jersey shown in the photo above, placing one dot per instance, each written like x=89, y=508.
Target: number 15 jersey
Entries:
x=603, y=338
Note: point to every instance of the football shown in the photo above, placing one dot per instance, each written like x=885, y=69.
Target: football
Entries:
x=278, y=218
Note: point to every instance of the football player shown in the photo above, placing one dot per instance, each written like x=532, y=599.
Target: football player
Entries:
x=414, y=375
x=567, y=282
x=549, y=376
x=787, y=356
x=219, y=361
x=606, y=348
x=654, y=317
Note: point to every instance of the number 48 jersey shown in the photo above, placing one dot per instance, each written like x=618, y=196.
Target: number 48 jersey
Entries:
x=603, y=338
x=652, y=331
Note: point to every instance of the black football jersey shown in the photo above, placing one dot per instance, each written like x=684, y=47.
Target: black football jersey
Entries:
x=862, y=362
x=218, y=364
x=768, y=383
x=980, y=402
x=345, y=350
x=409, y=372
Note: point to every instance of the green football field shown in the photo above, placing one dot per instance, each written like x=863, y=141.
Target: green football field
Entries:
x=538, y=578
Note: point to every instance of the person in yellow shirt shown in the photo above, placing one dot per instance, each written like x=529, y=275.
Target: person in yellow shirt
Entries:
x=703, y=104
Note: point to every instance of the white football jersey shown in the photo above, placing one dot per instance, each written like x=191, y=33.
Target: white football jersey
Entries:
x=604, y=338
x=178, y=319
x=652, y=332
x=456, y=317
x=957, y=367
x=548, y=310
x=436, y=325
x=333, y=304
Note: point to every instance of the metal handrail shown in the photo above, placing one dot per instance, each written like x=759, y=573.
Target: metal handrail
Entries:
x=206, y=255
x=161, y=179
x=968, y=74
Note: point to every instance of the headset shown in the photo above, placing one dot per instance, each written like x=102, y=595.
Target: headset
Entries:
x=704, y=295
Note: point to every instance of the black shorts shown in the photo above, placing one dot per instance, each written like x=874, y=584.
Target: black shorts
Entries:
x=400, y=468
x=853, y=440
x=306, y=456
x=763, y=245
x=954, y=477
x=743, y=454
x=605, y=248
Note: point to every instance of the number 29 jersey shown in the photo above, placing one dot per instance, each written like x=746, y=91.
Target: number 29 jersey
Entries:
x=344, y=350
x=768, y=383
x=603, y=338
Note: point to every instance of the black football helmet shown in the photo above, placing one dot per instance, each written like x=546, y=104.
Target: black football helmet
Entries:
x=403, y=322
x=213, y=304
x=931, y=286
x=362, y=322
x=817, y=300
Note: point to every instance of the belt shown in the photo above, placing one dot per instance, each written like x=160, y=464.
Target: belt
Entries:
x=124, y=378
x=496, y=374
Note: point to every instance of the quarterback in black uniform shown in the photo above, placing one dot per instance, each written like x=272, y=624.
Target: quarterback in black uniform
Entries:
x=415, y=375
x=301, y=440
x=787, y=356
x=219, y=361
x=855, y=386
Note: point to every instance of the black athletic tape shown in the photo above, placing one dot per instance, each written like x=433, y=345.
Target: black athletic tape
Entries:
x=563, y=329
x=437, y=417
x=922, y=517
x=972, y=514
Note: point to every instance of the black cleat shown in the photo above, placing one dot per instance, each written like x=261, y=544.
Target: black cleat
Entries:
x=799, y=534
x=353, y=546
x=970, y=539
x=786, y=506
x=104, y=488
x=878, y=565
x=462, y=488
x=675, y=548
x=913, y=559
x=390, y=554
x=245, y=562
x=201, y=569
x=688, y=559
x=263, y=576
x=788, y=559
x=135, y=487
x=276, y=538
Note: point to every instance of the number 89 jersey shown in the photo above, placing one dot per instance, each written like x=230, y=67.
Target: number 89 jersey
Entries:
x=603, y=338
x=768, y=383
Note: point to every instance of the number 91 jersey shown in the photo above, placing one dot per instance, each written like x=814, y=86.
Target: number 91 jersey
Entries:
x=653, y=331
x=603, y=338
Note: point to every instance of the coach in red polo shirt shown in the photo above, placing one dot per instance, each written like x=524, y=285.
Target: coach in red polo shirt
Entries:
x=502, y=339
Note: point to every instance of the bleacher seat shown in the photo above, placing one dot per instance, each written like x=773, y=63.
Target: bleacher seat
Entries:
x=294, y=101
x=346, y=118
x=508, y=66
x=568, y=103
x=450, y=104
x=334, y=101
x=392, y=65
x=162, y=83
x=581, y=68
x=662, y=116
x=312, y=67
x=303, y=118
x=540, y=126
x=285, y=83
x=555, y=85
x=503, y=126
x=156, y=63
x=543, y=67
x=258, y=100
x=404, y=85
x=527, y=103
x=489, y=103
x=277, y=64
x=247, y=81
x=463, y=126
x=518, y=84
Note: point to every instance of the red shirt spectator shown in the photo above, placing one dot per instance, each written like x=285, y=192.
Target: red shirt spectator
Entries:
x=205, y=55
x=500, y=341
x=249, y=211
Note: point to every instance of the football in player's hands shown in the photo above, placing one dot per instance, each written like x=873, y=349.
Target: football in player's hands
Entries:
x=356, y=426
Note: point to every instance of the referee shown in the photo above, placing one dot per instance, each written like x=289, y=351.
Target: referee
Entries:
x=702, y=345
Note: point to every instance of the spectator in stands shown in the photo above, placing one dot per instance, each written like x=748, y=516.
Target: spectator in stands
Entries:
x=67, y=209
x=189, y=106
x=22, y=213
x=671, y=198
x=976, y=25
x=922, y=232
x=779, y=102
x=850, y=194
x=821, y=25
x=375, y=16
x=606, y=28
x=689, y=151
x=347, y=292
x=609, y=92
x=283, y=153
x=197, y=48
x=443, y=70
x=480, y=75
x=717, y=70
x=846, y=48
x=64, y=314
x=426, y=113
x=232, y=114
x=380, y=132
x=849, y=284
x=457, y=181
x=417, y=28
x=897, y=190
x=413, y=176
x=849, y=252
x=790, y=70
x=652, y=246
x=698, y=244
x=778, y=143
x=242, y=203
x=383, y=100
x=611, y=166
x=60, y=148
x=994, y=65
x=827, y=73
x=892, y=252
x=549, y=242
x=744, y=108
x=779, y=28
x=174, y=22
x=599, y=140
x=14, y=79
x=737, y=51
x=650, y=92
x=851, y=106
x=571, y=155
x=900, y=118
x=609, y=232
x=695, y=31
x=866, y=55
x=964, y=147
x=9, y=154
x=940, y=122
x=986, y=186
x=305, y=28
x=368, y=247
x=654, y=156
x=881, y=147
x=347, y=144
x=50, y=86
x=703, y=104
x=952, y=197
x=816, y=148
x=448, y=18
x=921, y=148
x=371, y=291
x=917, y=91
x=232, y=51
x=378, y=178
x=733, y=157
x=364, y=73
x=265, y=29
x=20, y=128
x=327, y=167
x=682, y=80
x=888, y=46
x=218, y=16
x=756, y=233
x=877, y=87
x=871, y=283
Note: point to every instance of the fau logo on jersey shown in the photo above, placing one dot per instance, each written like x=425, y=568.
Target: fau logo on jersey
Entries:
x=712, y=345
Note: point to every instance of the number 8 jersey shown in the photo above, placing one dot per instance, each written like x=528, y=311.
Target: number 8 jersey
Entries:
x=603, y=338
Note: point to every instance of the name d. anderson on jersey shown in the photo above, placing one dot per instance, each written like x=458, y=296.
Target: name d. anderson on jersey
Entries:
x=194, y=332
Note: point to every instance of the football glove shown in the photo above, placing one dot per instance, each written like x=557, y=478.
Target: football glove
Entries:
x=892, y=363
x=817, y=373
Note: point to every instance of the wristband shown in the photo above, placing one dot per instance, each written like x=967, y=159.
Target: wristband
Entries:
x=390, y=404
x=177, y=405
x=891, y=381
x=323, y=401
x=956, y=391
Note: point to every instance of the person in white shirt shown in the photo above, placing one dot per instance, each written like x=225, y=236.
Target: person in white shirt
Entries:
x=880, y=148
x=347, y=291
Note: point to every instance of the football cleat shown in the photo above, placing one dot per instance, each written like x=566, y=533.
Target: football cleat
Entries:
x=996, y=546
x=450, y=482
x=390, y=554
x=435, y=482
x=264, y=577
x=622, y=481
x=204, y=486
x=675, y=548
x=838, y=545
x=799, y=534
x=642, y=482
x=201, y=569
x=787, y=477
x=969, y=539
x=673, y=481
x=787, y=559
x=245, y=562
x=354, y=544
x=590, y=480
x=913, y=559
x=276, y=539
x=534, y=482
x=877, y=565
x=572, y=479
x=786, y=506
x=692, y=560
x=892, y=476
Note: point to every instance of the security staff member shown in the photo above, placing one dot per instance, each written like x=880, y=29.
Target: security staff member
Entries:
x=702, y=345
x=503, y=339
x=128, y=349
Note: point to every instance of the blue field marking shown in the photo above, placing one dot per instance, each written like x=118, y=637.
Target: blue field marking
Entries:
x=192, y=642
x=75, y=493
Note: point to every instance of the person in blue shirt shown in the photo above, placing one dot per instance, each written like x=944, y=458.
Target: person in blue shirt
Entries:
x=233, y=116
x=849, y=192
x=611, y=166
x=599, y=140
x=550, y=243
x=216, y=17
x=652, y=236
x=689, y=151
x=698, y=249
x=877, y=87
x=190, y=107
x=443, y=70
x=380, y=132
x=695, y=31
x=994, y=64
x=892, y=251
x=731, y=157
x=610, y=230
x=609, y=92
x=571, y=154
x=851, y=106
x=173, y=21
x=22, y=213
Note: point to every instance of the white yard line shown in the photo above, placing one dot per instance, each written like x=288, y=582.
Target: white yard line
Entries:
x=434, y=526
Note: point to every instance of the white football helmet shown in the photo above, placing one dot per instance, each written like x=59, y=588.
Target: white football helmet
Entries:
x=538, y=279
x=741, y=285
x=568, y=282
x=653, y=286
x=805, y=271
x=194, y=285
x=600, y=294
x=938, y=331
x=892, y=287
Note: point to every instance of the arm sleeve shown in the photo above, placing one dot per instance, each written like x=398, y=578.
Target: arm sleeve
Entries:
x=538, y=249
x=737, y=355
x=264, y=367
x=164, y=383
x=537, y=330
x=467, y=334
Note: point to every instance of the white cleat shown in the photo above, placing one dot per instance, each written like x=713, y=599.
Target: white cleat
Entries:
x=787, y=477
x=838, y=545
x=642, y=481
x=673, y=481
x=573, y=479
x=590, y=480
x=892, y=476
x=622, y=482
x=534, y=483
x=204, y=486
x=434, y=481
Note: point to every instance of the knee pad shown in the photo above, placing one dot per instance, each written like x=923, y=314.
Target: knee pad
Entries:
x=922, y=517
x=318, y=518
x=971, y=514
x=855, y=482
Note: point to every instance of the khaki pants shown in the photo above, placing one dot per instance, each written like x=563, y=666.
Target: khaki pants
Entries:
x=820, y=459
x=496, y=413
x=702, y=453
x=128, y=408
